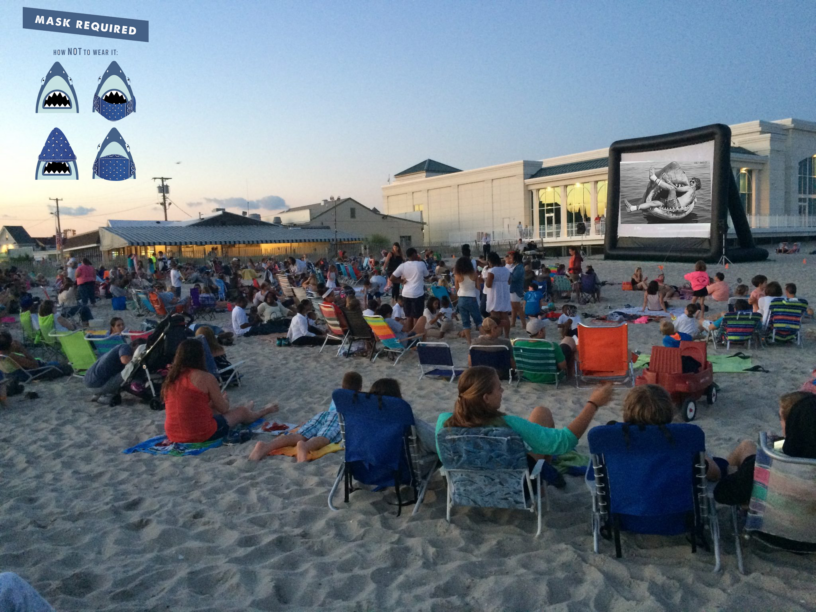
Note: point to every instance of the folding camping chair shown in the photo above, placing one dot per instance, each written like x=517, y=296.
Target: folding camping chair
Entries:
x=603, y=354
x=222, y=289
x=336, y=330
x=493, y=356
x=200, y=310
x=650, y=480
x=389, y=341
x=740, y=327
x=10, y=368
x=536, y=362
x=783, y=502
x=381, y=447
x=438, y=356
x=145, y=303
x=562, y=285
x=487, y=467
x=29, y=333
x=358, y=329
x=439, y=292
x=785, y=321
x=78, y=351
x=158, y=305
x=102, y=342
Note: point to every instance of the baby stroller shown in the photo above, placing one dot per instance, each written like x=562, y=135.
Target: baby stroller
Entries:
x=145, y=378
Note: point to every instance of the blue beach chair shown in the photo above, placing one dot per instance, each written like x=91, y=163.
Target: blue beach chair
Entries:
x=650, y=480
x=438, y=356
x=492, y=356
x=381, y=447
x=487, y=467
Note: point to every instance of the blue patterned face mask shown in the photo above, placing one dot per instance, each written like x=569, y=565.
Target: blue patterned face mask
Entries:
x=114, y=161
x=113, y=111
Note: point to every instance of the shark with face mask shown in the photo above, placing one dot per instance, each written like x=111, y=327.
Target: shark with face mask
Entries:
x=114, y=98
x=57, y=160
x=113, y=161
x=57, y=94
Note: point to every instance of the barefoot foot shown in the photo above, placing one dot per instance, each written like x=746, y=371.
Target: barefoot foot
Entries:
x=302, y=452
x=260, y=451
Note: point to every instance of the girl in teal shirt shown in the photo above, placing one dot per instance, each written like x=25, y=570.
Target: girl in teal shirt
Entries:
x=479, y=403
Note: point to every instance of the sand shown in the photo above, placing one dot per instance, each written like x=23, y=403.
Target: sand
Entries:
x=94, y=529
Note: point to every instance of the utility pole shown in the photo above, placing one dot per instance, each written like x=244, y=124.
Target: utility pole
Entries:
x=164, y=191
x=59, y=227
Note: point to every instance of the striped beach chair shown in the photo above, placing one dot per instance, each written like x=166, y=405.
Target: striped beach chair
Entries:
x=536, y=362
x=785, y=321
x=389, y=341
x=783, y=501
x=562, y=285
x=740, y=327
x=336, y=330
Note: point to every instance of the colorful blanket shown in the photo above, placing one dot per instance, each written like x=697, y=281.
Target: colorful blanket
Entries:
x=160, y=445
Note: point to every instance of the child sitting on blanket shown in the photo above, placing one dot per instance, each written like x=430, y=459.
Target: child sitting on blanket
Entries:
x=319, y=431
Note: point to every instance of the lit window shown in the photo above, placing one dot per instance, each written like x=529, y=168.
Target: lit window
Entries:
x=353, y=213
x=746, y=189
x=418, y=207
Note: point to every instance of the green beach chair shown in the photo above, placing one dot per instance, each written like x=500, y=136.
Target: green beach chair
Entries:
x=29, y=333
x=536, y=361
x=78, y=351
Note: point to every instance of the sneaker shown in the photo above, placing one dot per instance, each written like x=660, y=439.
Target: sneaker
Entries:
x=104, y=399
x=95, y=397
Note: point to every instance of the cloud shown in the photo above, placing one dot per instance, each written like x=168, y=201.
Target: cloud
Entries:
x=270, y=202
x=74, y=211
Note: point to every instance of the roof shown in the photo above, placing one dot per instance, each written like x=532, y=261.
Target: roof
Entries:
x=20, y=235
x=227, y=234
x=589, y=164
x=49, y=242
x=219, y=218
x=429, y=165
x=597, y=164
x=742, y=151
x=88, y=239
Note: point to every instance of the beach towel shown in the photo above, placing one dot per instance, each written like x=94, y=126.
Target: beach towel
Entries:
x=649, y=313
x=737, y=363
x=160, y=445
x=291, y=451
x=572, y=463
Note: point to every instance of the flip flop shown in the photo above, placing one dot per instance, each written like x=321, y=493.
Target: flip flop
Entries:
x=757, y=368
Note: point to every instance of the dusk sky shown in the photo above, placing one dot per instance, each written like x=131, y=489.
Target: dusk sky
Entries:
x=294, y=102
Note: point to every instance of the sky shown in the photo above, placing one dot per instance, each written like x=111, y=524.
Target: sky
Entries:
x=266, y=104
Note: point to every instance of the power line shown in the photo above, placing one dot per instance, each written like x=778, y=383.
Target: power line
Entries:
x=163, y=192
x=59, y=228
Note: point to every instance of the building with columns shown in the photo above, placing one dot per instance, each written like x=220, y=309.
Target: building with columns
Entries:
x=562, y=200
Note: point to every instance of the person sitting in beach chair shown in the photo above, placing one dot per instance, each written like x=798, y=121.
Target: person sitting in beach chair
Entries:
x=319, y=431
x=735, y=475
x=196, y=409
x=17, y=362
x=479, y=405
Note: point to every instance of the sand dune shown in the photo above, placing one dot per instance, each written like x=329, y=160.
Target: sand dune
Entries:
x=94, y=529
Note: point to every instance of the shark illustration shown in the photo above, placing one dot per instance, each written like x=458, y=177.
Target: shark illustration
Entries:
x=57, y=93
x=114, y=161
x=57, y=160
x=114, y=98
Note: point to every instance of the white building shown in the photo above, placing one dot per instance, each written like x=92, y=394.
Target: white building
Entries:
x=558, y=199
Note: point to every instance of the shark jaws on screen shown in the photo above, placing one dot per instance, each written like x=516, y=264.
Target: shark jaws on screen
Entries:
x=57, y=160
x=57, y=94
x=113, y=161
x=114, y=98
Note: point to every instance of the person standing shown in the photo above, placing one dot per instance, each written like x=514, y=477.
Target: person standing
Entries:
x=520, y=229
x=175, y=279
x=86, y=282
x=498, y=296
x=412, y=275
x=394, y=260
x=516, y=267
x=485, y=244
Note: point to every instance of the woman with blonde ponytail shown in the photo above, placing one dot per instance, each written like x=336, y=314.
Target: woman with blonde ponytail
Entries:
x=479, y=404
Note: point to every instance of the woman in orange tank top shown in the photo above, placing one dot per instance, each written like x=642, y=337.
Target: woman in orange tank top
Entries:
x=195, y=408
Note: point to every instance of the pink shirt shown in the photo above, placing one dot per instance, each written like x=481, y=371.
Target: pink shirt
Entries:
x=719, y=291
x=85, y=274
x=698, y=280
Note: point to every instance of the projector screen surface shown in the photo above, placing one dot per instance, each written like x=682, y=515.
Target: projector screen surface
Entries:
x=666, y=193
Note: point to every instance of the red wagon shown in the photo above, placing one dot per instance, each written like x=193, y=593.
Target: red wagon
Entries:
x=666, y=370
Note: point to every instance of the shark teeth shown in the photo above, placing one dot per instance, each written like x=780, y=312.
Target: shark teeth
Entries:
x=115, y=97
x=57, y=99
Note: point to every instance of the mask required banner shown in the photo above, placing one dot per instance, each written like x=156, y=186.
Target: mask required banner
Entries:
x=87, y=25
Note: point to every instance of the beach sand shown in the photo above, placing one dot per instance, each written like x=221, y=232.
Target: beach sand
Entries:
x=94, y=529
